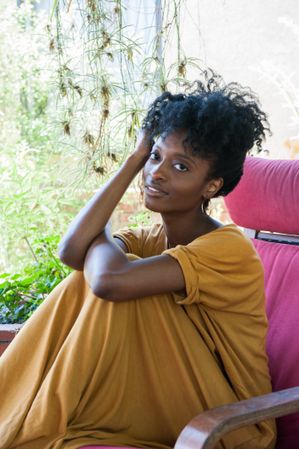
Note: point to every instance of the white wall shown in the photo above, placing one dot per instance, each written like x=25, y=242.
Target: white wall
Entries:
x=245, y=41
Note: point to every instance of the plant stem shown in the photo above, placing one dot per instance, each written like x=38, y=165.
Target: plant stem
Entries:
x=31, y=249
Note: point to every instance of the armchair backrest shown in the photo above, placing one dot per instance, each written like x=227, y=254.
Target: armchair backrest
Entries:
x=267, y=199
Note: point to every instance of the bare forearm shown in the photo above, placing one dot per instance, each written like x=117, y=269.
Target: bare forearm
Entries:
x=112, y=276
x=102, y=256
x=93, y=218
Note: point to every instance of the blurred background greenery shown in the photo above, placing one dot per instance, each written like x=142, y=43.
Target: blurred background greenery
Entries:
x=76, y=77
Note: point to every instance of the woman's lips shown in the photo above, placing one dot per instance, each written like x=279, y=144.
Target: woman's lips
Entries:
x=153, y=191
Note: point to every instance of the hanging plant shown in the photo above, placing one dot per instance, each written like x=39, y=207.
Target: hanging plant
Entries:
x=110, y=68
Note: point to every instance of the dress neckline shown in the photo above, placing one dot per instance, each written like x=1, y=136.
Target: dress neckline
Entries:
x=167, y=246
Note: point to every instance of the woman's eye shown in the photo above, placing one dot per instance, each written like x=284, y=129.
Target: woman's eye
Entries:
x=181, y=167
x=154, y=156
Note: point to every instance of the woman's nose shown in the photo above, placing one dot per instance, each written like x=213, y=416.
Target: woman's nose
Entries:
x=158, y=171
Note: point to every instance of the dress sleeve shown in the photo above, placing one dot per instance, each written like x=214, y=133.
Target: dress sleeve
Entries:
x=133, y=238
x=220, y=269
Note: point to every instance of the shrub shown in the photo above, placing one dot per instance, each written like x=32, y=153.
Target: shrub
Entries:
x=21, y=293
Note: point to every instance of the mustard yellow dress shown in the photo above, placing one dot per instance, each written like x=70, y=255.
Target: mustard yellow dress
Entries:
x=88, y=371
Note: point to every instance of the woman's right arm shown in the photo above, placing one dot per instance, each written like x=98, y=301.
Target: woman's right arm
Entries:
x=93, y=218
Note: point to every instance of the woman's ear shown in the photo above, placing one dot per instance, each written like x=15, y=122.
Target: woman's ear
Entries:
x=213, y=186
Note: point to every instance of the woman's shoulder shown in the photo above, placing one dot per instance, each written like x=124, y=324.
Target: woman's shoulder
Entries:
x=229, y=234
x=218, y=265
x=224, y=243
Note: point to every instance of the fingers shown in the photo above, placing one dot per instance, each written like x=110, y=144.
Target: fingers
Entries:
x=144, y=142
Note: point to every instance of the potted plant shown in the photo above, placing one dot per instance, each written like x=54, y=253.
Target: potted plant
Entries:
x=21, y=293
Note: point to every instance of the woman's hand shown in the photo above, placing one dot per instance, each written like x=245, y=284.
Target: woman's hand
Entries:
x=143, y=145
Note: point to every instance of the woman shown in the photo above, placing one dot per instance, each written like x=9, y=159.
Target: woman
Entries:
x=155, y=325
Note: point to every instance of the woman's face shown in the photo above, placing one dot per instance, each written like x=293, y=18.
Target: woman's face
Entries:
x=174, y=179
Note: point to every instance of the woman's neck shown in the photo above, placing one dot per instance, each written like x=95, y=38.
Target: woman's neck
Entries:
x=183, y=230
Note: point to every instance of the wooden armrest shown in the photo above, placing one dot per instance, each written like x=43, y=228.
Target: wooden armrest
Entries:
x=207, y=428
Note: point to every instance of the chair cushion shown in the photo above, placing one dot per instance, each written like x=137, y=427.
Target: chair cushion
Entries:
x=281, y=264
x=266, y=199
x=267, y=196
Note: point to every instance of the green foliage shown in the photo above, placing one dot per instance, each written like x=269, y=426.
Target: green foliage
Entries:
x=140, y=219
x=21, y=293
x=39, y=192
x=26, y=76
x=34, y=201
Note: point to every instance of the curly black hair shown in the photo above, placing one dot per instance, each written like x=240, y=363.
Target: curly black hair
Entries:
x=222, y=121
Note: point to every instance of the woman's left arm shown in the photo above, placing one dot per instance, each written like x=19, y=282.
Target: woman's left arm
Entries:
x=112, y=276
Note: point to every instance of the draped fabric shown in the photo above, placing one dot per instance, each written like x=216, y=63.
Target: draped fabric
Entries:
x=88, y=371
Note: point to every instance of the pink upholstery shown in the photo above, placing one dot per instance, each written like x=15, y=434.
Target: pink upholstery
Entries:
x=281, y=263
x=267, y=196
x=267, y=199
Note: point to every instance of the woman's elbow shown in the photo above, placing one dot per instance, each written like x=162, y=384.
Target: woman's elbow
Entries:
x=105, y=287
x=68, y=259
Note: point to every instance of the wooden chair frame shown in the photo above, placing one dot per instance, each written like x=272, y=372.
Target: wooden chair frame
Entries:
x=206, y=429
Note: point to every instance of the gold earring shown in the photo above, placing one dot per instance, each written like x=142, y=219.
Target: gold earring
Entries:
x=213, y=190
